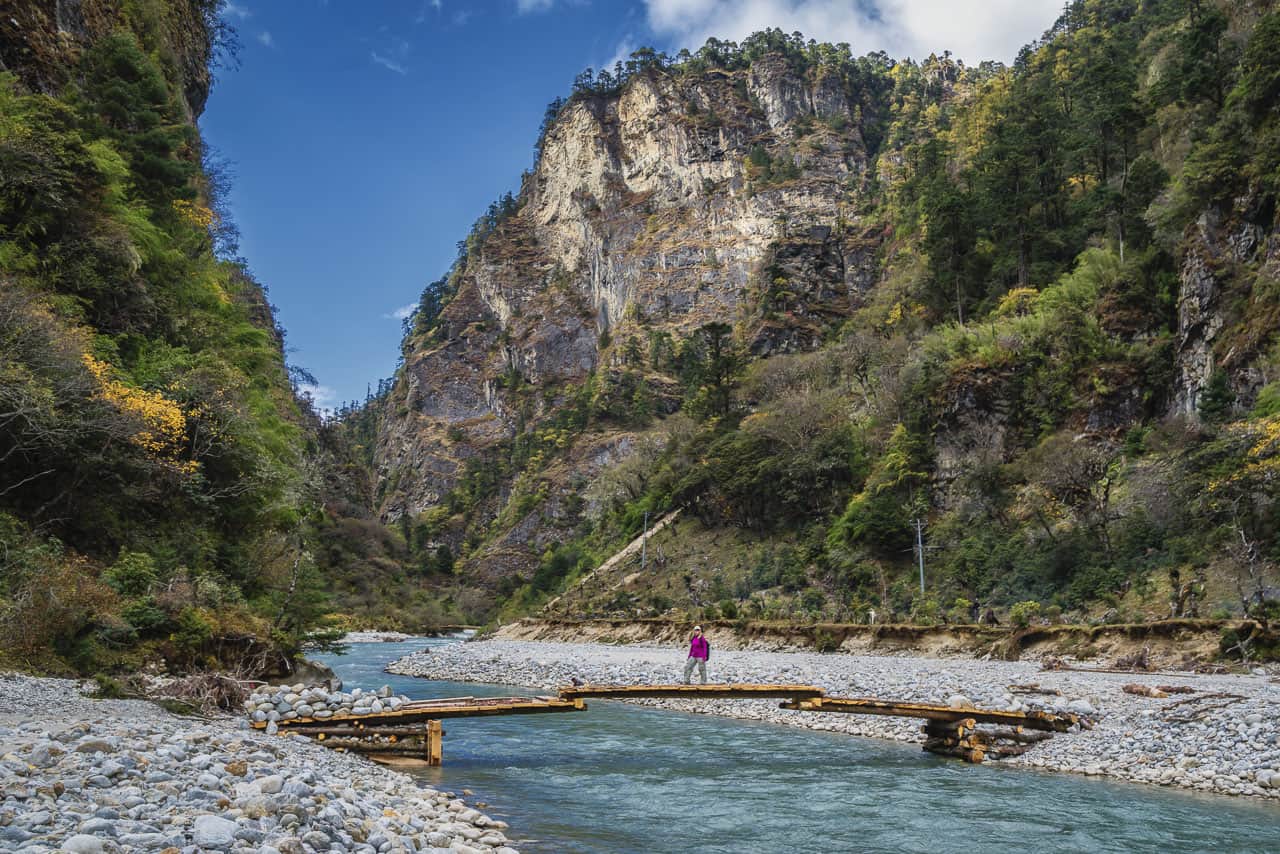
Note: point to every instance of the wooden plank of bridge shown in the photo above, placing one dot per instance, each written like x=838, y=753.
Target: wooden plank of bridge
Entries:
x=867, y=706
x=746, y=691
x=422, y=711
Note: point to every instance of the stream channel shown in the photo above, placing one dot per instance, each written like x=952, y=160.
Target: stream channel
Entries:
x=626, y=779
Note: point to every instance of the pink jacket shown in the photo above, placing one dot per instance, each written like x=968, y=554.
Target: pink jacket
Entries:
x=699, y=648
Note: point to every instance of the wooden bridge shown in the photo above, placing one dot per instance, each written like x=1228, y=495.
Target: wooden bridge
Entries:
x=414, y=730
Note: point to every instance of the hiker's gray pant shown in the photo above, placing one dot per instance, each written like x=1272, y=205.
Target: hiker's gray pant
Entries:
x=702, y=669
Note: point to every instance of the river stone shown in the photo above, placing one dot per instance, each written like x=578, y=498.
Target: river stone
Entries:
x=13, y=834
x=45, y=755
x=959, y=701
x=82, y=843
x=98, y=827
x=271, y=785
x=212, y=831
x=89, y=744
x=1081, y=707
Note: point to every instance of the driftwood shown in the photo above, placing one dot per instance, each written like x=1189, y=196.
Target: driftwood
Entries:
x=1034, y=688
x=1218, y=701
x=1143, y=690
x=1140, y=660
x=1059, y=664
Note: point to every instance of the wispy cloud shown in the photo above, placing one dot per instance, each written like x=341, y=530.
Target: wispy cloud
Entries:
x=623, y=52
x=322, y=397
x=388, y=63
x=231, y=10
x=392, y=55
x=265, y=38
x=973, y=30
x=524, y=7
x=402, y=312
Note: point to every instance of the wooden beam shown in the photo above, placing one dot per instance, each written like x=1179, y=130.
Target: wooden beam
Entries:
x=435, y=743
x=864, y=706
x=728, y=691
x=420, y=712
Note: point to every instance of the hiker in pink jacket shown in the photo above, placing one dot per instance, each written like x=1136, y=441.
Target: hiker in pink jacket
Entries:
x=699, y=652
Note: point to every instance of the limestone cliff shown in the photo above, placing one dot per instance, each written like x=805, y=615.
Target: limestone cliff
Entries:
x=644, y=215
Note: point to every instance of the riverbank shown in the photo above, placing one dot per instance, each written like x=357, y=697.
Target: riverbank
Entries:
x=99, y=776
x=1224, y=737
x=1163, y=643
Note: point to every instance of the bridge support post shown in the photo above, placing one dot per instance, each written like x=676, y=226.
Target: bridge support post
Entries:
x=435, y=743
x=956, y=738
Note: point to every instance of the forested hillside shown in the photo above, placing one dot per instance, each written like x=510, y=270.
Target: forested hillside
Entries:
x=163, y=494
x=814, y=300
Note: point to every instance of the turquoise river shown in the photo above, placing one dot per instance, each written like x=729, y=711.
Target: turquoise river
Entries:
x=625, y=779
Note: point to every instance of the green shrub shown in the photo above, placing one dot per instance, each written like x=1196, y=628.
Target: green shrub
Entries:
x=144, y=615
x=193, y=630
x=108, y=688
x=925, y=611
x=133, y=574
x=960, y=610
x=825, y=641
x=1023, y=613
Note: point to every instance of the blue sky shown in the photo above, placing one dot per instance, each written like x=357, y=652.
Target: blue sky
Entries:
x=366, y=137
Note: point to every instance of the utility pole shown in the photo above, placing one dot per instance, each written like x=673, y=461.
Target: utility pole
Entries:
x=644, y=541
x=920, y=551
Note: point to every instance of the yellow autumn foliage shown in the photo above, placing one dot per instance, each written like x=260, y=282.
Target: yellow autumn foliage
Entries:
x=164, y=429
x=195, y=214
x=1262, y=460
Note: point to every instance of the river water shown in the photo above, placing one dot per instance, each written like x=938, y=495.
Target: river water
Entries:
x=621, y=778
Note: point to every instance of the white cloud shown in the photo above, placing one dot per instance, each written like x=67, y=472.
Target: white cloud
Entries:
x=392, y=54
x=322, y=397
x=973, y=30
x=231, y=10
x=265, y=38
x=623, y=52
x=524, y=7
x=402, y=312
x=387, y=62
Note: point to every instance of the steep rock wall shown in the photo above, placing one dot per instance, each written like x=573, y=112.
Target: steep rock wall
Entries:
x=643, y=214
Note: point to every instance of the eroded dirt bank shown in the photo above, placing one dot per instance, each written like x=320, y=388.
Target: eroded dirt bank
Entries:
x=1168, y=643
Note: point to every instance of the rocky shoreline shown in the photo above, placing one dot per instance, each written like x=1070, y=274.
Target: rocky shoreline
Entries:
x=100, y=776
x=1223, y=737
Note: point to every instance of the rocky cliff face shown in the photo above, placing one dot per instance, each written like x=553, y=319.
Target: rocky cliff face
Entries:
x=683, y=200
x=41, y=41
x=1220, y=328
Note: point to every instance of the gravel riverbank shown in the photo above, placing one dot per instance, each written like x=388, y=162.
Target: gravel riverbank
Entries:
x=89, y=776
x=1224, y=737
